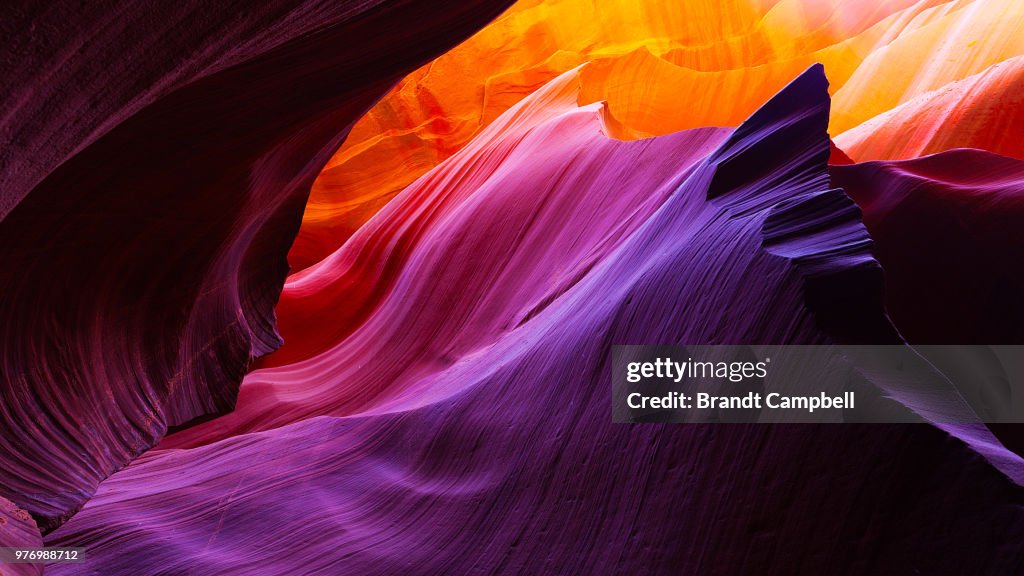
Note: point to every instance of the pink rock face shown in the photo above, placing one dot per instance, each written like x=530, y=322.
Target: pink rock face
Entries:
x=462, y=258
x=147, y=218
x=442, y=404
x=502, y=457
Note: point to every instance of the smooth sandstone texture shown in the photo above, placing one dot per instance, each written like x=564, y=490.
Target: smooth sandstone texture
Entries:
x=664, y=67
x=160, y=157
x=461, y=258
x=487, y=445
x=947, y=230
x=983, y=111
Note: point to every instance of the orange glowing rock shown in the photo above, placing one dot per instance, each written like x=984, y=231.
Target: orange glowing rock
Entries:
x=661, y=67
x=983, y=111
x=957, y=40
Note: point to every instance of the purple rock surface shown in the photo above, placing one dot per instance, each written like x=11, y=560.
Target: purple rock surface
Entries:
x=505, y=459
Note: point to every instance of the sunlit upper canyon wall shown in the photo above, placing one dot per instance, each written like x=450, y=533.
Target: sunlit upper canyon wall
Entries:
x=946, y=68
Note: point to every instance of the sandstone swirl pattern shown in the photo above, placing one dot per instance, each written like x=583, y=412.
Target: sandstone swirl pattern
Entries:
x=158, y=165
x=485, y=219
x=467, y=425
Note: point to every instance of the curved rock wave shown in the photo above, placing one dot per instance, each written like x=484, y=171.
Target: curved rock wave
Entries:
x=947, y=232
x=144, y=246
x=502, y=457
x=983, y=111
